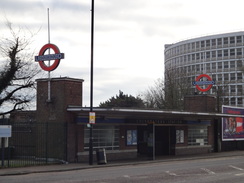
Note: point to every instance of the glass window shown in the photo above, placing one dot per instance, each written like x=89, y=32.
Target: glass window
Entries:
x=232, y=76
x=226, y=77
x=238, y=39
x=197, y=135
x=226, y=40
x=219, y=41
x=239, y=76
x=232, y=64
x=226, y=65
x=213, y=54
x=202, y=44
x=208, y=54
x=213, y=42
x=233, y=101
x=193, y=56
x=213, y=65
x=239, y=51
x=197, y=56
x=103, y=137
x=219, y=65
x=232, y=40
x=239, y=88
x=220, y=77
x=226, y=53
x=232, y=89
x=207, y=43
x=179, y=136
x=239, y=63
x=193, y=46
x=208, y=66
x=219, y=53
x=232, y=52
x=239, y=100
x=197, y=44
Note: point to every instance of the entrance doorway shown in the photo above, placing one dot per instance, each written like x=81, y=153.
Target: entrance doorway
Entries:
x=163, y=139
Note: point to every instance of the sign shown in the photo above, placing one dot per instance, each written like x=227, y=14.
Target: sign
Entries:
x=42, y=57
x=232, y=127
x=209, y=82
x=92, y=117
x=5, y=131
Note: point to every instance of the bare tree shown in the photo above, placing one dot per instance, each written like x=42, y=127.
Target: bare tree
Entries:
x=18, y=71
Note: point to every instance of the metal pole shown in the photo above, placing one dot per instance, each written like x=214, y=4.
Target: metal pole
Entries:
x=49, y=74
x=91, y=85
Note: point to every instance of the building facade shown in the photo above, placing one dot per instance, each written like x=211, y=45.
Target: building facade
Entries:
x=219, y=56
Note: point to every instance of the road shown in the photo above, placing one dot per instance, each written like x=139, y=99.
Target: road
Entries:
x=214, y=170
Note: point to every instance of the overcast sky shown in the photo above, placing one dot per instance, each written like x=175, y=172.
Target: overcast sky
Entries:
x=129, y=36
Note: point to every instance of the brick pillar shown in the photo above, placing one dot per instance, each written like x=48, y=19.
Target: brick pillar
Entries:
x=200, y=103
x=56, y=127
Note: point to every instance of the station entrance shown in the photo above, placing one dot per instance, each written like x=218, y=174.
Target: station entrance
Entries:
x=156, y=139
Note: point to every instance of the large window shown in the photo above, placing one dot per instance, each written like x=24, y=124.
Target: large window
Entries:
x=197, y=135
x=103, y=137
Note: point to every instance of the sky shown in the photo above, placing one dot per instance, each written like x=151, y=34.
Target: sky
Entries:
x=129, y=36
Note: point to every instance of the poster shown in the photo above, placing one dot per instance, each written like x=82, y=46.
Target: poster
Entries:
x=232, y=127
x=131, y=137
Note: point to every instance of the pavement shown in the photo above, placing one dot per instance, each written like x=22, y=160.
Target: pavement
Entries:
x=80, y=166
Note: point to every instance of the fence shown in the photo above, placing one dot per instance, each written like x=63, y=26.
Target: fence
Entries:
x=34, y=143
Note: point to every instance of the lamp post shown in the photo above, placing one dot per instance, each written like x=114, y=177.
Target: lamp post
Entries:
x=91, y=84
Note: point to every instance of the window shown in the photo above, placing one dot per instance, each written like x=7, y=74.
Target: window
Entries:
x=197, y=44
x=219, y=65
x=220, y=77
x=226, y=77
x=213, y=65
x=239, y=51
x=219, y=53
x=239, y=63
x=207, y=43
x=213, y=54
x=233, y=101
x=226, y=64
x=232, y=64
x=232, y=52
x=103, y=137
x=239, y=88
x=239, y=76
x=208, y=66
x=213, y=42
x=202, y=44
x=239, y=100
x=232, y=76
x=197, y=135
x=219, y=41
x=226, y=40
x=197, y=56
x=232, y=40
x=226, y=53
x=238, y=39
x=208, y=54
x=232, y=88
x=193, y=46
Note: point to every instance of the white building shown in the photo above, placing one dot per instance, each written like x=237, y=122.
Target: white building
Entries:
x=220, y=56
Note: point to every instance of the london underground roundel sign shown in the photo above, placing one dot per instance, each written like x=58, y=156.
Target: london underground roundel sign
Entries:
x=208, y=83
x=42, y=57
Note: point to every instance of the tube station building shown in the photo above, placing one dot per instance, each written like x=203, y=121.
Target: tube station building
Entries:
x=123, y=132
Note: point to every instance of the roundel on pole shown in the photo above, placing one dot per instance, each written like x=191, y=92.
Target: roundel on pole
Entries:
x=208, y=83
x=57, y=56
